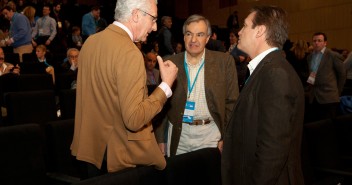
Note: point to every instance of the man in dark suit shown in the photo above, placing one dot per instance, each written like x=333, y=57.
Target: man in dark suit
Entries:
x=326, y=80
x=263, y=138
x=204, y=93
x=213, y=42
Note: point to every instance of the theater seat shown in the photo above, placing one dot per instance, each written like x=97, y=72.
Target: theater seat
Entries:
x=31, y=107
x=21, y=155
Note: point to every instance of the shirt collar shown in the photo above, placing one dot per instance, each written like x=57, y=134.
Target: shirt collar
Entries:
x=255, y=61
x=200, y=61
x=124, y=28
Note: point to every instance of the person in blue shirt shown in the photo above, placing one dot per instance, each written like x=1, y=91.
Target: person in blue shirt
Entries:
x=89, y=22
x=20, y=32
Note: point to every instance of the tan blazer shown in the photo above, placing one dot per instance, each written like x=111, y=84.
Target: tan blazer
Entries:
x=113, y=110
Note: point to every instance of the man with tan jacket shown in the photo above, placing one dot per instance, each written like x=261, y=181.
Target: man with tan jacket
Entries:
x=113, y=110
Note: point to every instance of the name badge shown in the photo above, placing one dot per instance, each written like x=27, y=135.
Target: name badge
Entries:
x=41, y=32
x=189, y=112
x=311, y=78
x=59, y=24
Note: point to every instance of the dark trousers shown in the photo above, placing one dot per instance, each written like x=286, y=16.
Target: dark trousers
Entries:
x=88, y=170
x=316, y=111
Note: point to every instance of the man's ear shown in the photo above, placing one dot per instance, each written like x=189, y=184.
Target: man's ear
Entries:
x=135, y=15
x=260, y=31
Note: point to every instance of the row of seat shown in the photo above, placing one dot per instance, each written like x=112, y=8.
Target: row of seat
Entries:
x=38, y=106
x=34, y=154
x=14, y=58
x=327, y=151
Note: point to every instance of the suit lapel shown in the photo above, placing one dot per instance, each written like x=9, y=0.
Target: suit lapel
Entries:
x=182, y=78
x=209, y=76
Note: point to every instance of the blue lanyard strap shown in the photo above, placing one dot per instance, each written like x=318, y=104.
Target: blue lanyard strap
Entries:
x=190, y=87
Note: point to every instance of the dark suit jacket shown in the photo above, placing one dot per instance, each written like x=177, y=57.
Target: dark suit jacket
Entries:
x=330, y=78
x=221, y=91
x=215, y=45
x=263, y=139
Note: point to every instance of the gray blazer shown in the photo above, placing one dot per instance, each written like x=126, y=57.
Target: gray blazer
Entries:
x=262, y=142
x=330, y=78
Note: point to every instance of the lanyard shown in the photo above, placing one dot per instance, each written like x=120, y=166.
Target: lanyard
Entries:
x=190, y=87
x=316, y=61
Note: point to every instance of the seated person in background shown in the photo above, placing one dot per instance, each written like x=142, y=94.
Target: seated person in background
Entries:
x=7, y=67
x=178, y=48
x=70, y=65
x=40, y=51
x=153, y=77
x=76, y=37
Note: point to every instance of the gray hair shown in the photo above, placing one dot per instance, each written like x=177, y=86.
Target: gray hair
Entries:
x=71, y=49
x=196, y=18
x=124, y=8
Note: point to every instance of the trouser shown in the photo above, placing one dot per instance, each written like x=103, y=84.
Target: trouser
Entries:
x=23, y=49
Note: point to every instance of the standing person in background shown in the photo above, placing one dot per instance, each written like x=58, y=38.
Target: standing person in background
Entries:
x=213, y=43
x=20, y=32
x=326, y=79
x=262, y=142
x=29, y=12
x=89, y=22
x=165, y=37
x=44, y=31
x=348, y=67
x=115, y=132
x=61, y=28
x=153, y=74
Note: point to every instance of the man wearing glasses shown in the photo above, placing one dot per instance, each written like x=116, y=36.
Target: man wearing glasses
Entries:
x=7, y=67
x=205, y=93
x=113, y=110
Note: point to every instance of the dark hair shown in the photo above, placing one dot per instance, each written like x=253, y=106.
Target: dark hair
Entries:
x=275, y=20
x=7, y=7
x=234, y=31
x=96, y=7
x=321, y=33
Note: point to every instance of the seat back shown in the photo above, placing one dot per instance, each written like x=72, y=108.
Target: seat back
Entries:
x=13, y=58
x=8, y=83
x=33, y=68
x=31, y=106
x=67, y=99
x=35, y=82
x=64, y=80
x=59, y=135
x=21, y=156
x=343, y=125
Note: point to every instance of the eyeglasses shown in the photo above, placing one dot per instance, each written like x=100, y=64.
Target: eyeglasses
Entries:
x=73, y=56
x=154, y=18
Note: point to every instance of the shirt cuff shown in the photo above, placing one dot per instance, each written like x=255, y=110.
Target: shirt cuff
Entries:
x=73, y=67
x=167, y=90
